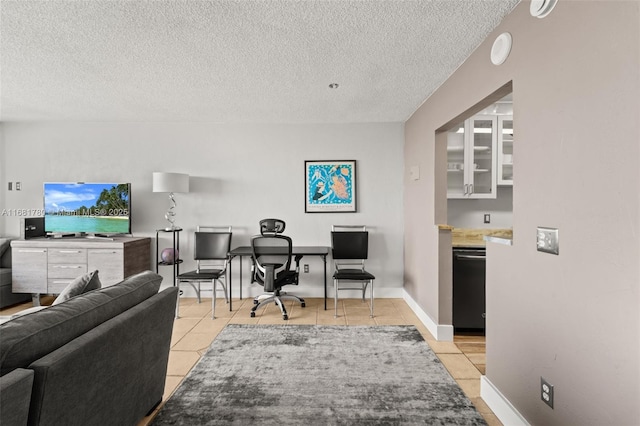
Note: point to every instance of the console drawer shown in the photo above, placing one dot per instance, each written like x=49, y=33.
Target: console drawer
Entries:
x=67, y=255
x=55, y=286
x=66, y=270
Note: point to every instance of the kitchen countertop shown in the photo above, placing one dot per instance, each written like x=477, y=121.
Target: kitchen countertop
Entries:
x=478, y=237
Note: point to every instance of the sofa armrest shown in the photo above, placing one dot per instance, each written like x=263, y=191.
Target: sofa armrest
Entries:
x=15, y=396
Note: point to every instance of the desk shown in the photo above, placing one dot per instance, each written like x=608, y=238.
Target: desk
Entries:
x=298, y=251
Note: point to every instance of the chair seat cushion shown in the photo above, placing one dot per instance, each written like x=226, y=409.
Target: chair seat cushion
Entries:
x=286, y=278
x=203, y=274
x=352, y=274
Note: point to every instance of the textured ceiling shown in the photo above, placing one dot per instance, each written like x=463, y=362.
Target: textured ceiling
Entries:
x=233, y=61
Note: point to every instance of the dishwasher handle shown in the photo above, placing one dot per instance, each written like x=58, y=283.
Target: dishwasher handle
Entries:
x=470, y=256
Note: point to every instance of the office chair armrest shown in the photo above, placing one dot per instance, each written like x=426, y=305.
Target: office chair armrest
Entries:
x=253, y=271
x=269, y=278
x=297, y=258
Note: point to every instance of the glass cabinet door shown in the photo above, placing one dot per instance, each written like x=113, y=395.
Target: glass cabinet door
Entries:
x=481, y=165
x=505, y=150
x=456, y=162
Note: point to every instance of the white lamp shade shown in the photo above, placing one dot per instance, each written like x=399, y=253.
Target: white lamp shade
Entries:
x=170, y=182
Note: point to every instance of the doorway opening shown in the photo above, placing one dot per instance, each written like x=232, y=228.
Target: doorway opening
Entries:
x=474, y=198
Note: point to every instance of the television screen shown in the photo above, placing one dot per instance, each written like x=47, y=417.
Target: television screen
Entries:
x=90, y=208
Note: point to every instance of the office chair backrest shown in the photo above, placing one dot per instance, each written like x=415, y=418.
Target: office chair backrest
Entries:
x=212, y=244
x=272, y=226
x=351, y=243
x=274, y=250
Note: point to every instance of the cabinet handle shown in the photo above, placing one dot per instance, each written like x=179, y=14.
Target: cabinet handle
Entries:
x=67, y=266
x=466, y=186
x=68, y=251
x=470, y=188
x=32, y=251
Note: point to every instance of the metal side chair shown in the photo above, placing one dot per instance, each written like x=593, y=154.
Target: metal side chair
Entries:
x=350, y=249
x=211, y=253
x=272, y=258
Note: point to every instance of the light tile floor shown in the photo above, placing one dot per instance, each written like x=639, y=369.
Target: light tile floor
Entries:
x=194, y=331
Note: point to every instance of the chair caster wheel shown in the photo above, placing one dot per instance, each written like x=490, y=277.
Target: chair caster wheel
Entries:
x=285, y=317
x=253, y=314
x=302, y=305
x=255, y=302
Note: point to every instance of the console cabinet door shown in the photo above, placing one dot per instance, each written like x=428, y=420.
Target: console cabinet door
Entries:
x=109, y=263
x=29, y=270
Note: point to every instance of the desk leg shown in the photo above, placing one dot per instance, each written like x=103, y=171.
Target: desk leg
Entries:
x=230, y=286
x=240, y=277
x=324, y=258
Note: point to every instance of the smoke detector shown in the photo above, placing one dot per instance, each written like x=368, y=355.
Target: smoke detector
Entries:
x=541, y=8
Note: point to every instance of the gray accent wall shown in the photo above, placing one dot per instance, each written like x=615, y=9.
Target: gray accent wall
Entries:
x=239, y=174
x=573, y=319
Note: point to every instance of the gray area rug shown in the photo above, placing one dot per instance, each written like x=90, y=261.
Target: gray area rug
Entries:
x=318, y=375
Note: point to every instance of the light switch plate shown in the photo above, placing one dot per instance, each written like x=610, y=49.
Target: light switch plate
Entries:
x=548, y=240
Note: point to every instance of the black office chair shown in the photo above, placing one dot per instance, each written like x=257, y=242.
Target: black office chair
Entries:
x=350, y=249
x=272, y=258
x=211, y=253
x=272, y=226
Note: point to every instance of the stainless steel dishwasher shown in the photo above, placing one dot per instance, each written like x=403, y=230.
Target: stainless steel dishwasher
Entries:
x=469, y=265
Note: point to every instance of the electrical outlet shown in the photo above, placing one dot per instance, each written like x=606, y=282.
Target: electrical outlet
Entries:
x=546, y=392
x=548, y=240
x=18, y=186
x=487, y=218
x=306, y=269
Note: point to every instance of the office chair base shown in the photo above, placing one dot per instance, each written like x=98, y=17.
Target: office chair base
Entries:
x=263, y=299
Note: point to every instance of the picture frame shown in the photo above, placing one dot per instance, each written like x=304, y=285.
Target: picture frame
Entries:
x=330, y=186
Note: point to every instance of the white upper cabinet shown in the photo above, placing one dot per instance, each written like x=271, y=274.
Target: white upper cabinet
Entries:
x=472, y=158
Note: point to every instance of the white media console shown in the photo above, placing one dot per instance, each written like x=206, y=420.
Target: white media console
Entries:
x=47, y=266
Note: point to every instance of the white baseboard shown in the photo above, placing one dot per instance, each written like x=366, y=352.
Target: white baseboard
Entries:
x=500, y=405
x=253, y=290
x=441, y=332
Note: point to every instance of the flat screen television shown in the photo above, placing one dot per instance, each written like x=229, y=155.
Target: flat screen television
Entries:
x=99, y=209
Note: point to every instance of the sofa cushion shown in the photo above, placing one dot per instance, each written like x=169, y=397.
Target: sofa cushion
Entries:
x=82, y=284
x=5, y=276
x=15, y=396
x=5, y=252
x=29, y=337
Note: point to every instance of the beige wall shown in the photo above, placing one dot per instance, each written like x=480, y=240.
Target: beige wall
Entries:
x=572, y=318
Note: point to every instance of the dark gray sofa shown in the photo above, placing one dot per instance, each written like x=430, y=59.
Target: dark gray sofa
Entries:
x=7, y=297
x=97, y=359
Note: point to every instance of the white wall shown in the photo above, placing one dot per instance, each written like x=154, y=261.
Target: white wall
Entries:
x=3, y=185
x=238, y=175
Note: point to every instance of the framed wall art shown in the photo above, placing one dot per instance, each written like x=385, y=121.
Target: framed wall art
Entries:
x=330, y=186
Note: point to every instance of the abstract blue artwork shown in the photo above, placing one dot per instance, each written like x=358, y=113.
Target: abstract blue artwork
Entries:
x=330, y=186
